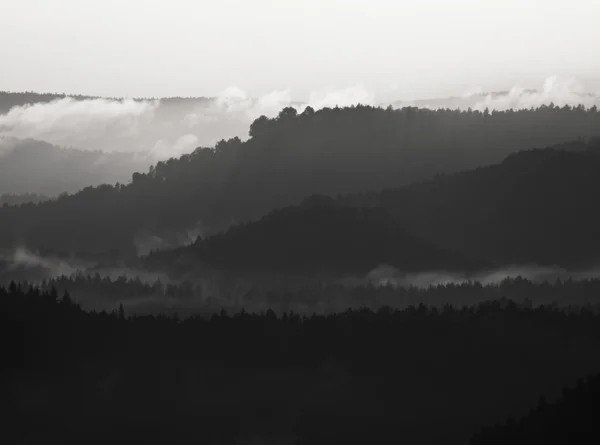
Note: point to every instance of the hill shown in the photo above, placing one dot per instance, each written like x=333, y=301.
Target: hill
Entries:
x=331, y=151
x=318, y=237
x=31, y=166
x=535, y=206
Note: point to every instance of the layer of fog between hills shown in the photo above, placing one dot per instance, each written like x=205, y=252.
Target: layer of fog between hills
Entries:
x=383, y=275
x=158, y=129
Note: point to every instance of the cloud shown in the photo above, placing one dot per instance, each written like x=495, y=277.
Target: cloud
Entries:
x=342, y=98
x=54, y=266
x=78, y=123
x=561, y=92
x=182, y=145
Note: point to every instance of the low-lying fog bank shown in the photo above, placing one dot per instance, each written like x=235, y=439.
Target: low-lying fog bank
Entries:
x=97, y=287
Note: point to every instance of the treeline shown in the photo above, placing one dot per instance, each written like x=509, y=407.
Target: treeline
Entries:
x=419, y=375
x=18, y=199
x=213, y=294
x=286, y=159
x=572, y=419
x=9, y=99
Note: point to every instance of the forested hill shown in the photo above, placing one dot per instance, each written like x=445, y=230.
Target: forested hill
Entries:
x=319, y=237
x=287, y=158
x=536, y=206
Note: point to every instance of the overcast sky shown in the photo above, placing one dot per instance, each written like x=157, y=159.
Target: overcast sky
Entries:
x=408, y=48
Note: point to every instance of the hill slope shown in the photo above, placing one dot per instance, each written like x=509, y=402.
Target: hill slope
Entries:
x=317, y=237
x=31, y=166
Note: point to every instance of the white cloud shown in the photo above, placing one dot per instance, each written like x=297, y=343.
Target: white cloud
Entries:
x=78, y=123
x=342, y=98
x=555, y=90
x=184, y=144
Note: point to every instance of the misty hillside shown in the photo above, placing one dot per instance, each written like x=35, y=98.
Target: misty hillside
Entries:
x=536, y=206
x=30, y=166
x=331, y=151
x=318, y=237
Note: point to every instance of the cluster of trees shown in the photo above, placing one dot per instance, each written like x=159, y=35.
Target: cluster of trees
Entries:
x=572, y=419
x=287, y=158
x=418, y=375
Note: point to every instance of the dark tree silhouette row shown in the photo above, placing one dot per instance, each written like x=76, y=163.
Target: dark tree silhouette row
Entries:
x=573, y=419
x=287, y=158
x=420, y=375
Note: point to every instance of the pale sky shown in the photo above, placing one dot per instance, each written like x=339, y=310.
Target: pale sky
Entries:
x=418, y=48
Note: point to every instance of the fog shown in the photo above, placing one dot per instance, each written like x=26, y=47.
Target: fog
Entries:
x=146, y=242
x=556, y=90
x=25, y=264
x=385, y=275
x=172, y=127
x=163, y=128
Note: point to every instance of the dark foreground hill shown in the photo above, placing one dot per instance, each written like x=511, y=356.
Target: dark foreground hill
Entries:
x=287, y=158
x=418, y=376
